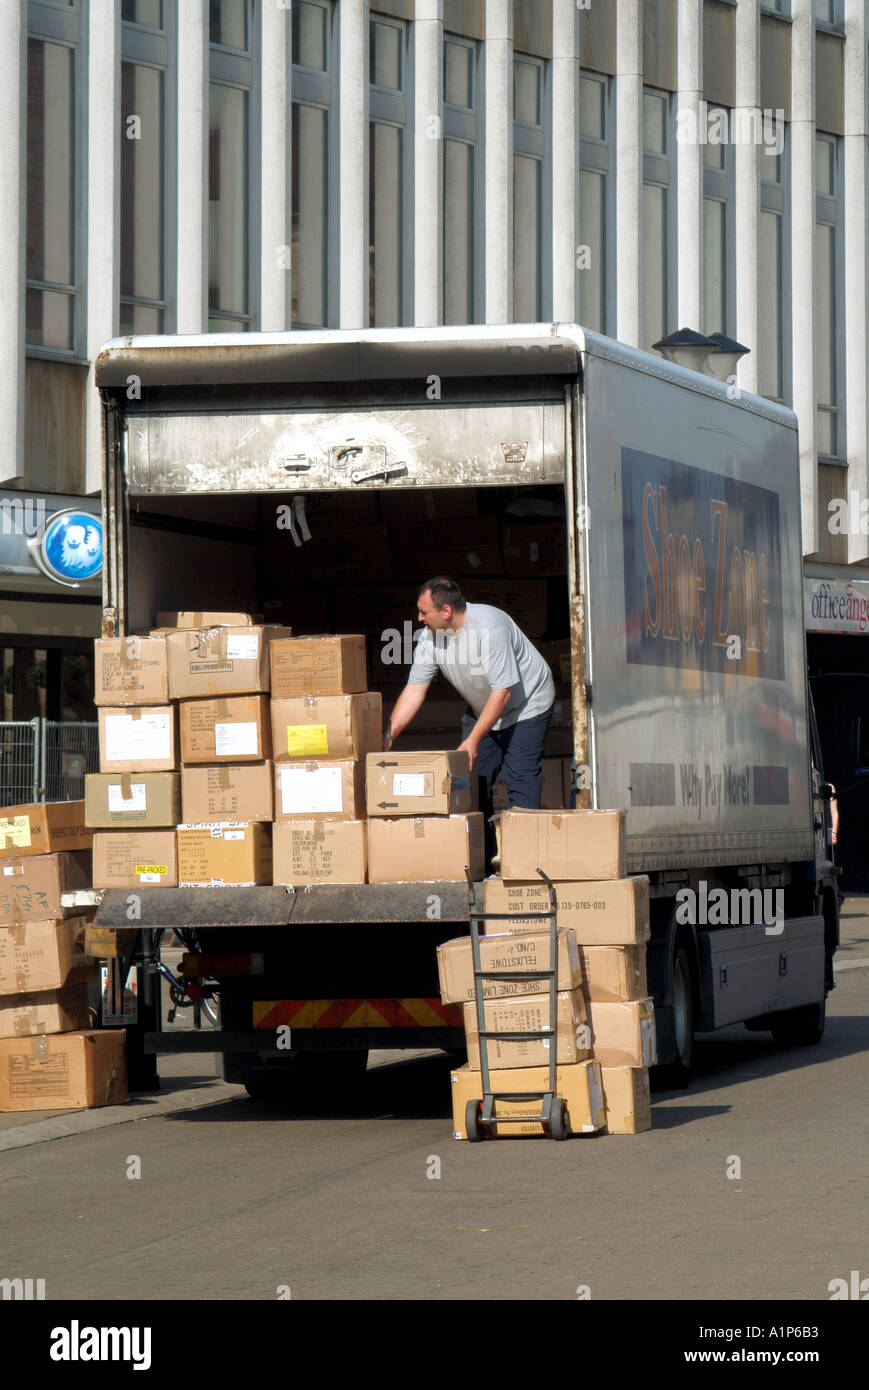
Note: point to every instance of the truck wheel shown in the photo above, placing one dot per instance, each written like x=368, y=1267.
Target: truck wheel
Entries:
x=800, y=1027
x=676, y=1075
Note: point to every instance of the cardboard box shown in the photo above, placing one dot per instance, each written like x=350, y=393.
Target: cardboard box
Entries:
x=194, y=619
x=623, y=1035
x=425, y=849
x=449, y=557
x=228, y=791
x=320, y=851
x=45, y=827
x=130, y=671
x=559, y=742
x=64, y=1071
x=558, y=658
x=51, y=1011
x=405, y=506
x=375, y=608
x=610, y=913
x=614, y=974
x=36, y=956
x=627, y=1099
x=140, y=739
x=230, y=729
x=142, y=799
x=535, y=548
x=220, y=660
x=566, y=845
x=135, y=859
x=361, y=552
x=520, y=953
x=320, y=789
x=318, y=666
x=418, y=784
x=579, y=1085
x=327, y=726
x=526, y=600
x=31, y=888
x=524, y=1014
x=234, y=854
x=551, y=790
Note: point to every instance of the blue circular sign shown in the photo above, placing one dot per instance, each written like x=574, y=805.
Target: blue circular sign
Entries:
x=72, y=545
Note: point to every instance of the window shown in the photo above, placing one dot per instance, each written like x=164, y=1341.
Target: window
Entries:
x=461, y=186
x=592, y=266
x=659, y=276
x=829, y=12
x=231, y=202
x=55, y=251
x=777, y=6
x=828, y=298
x=773, y=277
x=388, y=172
x=144, y=168
x=719, y=245
x=312, y=192
x=529, y=230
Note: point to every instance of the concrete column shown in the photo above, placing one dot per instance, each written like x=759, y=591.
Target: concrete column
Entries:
x=499, y=161
x=353, y=155
x=104, y=202
x=803, y=255
x=856, y=212
x=689, y=166
x=192, y=147
x=13, y=49
x=629, y=170
x=749, y=160
x=427, y=31
x=275, y=255
x=565, y=159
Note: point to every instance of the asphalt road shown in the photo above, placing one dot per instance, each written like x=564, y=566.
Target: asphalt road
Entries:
x=237, y=1200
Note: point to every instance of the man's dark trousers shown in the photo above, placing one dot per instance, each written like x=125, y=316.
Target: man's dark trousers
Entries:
x=517, y=753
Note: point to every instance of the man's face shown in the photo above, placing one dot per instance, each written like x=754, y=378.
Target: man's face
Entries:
x=435, y=619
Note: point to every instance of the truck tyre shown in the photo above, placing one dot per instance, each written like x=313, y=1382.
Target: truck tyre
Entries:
x=800, y=1027
x=676, y=1075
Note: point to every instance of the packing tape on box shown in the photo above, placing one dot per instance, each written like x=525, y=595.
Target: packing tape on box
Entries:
x=319, y=831
x=126, y=787
x=131, y=651
x=223, y=777
x=40, y=1048
x=22, y=979
x=418, y=828
x=221, y=711
x=24, y=1027
x=136, y=713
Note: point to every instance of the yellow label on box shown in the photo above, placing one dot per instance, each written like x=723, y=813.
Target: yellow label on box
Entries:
x=16, y=830
x=307, y=741
x=151, y=869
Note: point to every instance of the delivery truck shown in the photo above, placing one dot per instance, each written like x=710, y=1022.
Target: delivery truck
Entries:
x=639, y=521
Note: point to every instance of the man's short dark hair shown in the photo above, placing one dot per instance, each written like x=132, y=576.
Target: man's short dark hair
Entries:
x=444, y=591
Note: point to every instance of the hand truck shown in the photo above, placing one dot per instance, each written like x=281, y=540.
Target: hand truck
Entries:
x=480, y=1119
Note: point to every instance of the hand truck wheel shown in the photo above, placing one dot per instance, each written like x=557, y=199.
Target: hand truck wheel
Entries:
x=473, y=1129
x=558, y=1124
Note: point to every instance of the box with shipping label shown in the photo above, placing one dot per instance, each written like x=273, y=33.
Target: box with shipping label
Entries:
x=36, y=956
x=147, y=799
x=320, y=789
x=566, y=845
x=623, y=1035
x=418, y=784
x=529, y=1013
x=130, y=671
x=521, y=954
x=224, y=854
x=579, y=1085
x=191, y=619
x=627, y=1099
x=425, y=849
x=45, y=827
x=614, y=912
x=535, y=548
x=50, y=1011
x=230, y=729
x=327, y=726
x=320, y=851
x=551, y=789
x=227, y=791
x=220, y=660
x=31, y=888
x=64, y=1071
x=318, y=666
x=140, y=739
x=614, y=974
x=135, y=859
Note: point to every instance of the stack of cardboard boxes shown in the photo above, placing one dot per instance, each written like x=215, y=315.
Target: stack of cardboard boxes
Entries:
x=49, y=1058
x=422, y=826
x=602, y=922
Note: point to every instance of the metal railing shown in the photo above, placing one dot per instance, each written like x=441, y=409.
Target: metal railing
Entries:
x=46, y=759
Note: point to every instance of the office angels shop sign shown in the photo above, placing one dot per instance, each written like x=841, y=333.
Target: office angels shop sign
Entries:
x=836, y=605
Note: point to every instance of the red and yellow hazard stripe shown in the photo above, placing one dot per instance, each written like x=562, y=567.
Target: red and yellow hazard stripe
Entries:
x=356, y=1013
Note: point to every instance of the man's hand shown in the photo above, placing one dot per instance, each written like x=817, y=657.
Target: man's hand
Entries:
x=470, y=746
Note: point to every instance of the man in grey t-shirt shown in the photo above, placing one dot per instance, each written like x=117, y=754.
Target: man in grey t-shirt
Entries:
x=507, y=684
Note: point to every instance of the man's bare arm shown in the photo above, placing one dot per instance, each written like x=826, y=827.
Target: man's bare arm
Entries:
x=407, y=706
x=489, y=715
